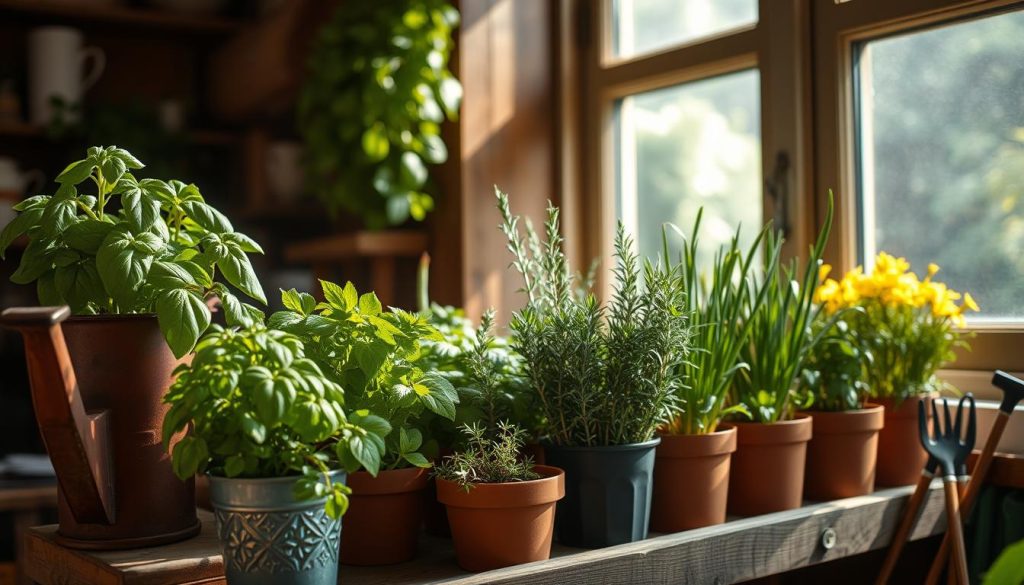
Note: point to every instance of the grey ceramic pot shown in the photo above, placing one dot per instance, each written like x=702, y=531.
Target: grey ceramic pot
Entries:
x=269, y=538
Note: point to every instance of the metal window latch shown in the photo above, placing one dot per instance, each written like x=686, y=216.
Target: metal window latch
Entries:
x=777, y=187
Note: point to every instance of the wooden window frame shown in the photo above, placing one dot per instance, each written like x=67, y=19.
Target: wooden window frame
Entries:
x=808, y=116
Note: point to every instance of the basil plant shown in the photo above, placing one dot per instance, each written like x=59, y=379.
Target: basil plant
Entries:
x=158, y=251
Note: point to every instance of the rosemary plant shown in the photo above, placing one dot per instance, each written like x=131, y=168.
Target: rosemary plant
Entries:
x=603, y=376
x=781, y=331
x=717, y=304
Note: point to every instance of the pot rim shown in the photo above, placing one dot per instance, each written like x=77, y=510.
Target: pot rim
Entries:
x=256, y=494
x=720, y=442
x=547, y=489
x=869, y=419
x=388, y=481
x=799, y=429
x=626, y=447
x=907, y=407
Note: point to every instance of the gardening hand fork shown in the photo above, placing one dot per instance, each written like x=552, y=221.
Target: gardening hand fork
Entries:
x=946, y=447
x=1013, y=393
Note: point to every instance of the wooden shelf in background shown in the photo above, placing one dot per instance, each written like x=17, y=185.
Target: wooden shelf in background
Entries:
x=362, y=244
x=1007, y=469
x=736, y=551
x=150, y=18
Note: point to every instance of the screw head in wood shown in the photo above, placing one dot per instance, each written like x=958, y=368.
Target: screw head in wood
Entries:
x=829, y=538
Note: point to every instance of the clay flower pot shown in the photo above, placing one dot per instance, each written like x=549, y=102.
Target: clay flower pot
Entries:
x=767, y=472
x=498, y=525
x=842, y=453
x=691, y=480
x=607, y=493
x=900, y=454
x=382, y=524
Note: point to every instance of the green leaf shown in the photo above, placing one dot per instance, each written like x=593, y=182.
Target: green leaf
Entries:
x=237, y=269
x=417, y=459
x=451, y=95
x=245, y=242
x=335, y=295
x=46, y=290
x=1008, y=568
x=369, y=304
x=398, y=208
x=254, y=429
x=123, y=262
x=34, y=202
x=373, y=424
x=234, y=465
x=35, y=260
x=412, y=171
x=59, y=213
x=18, y=226
x=207, y=217
x=79, y=284
x=292, y=300
x=112, y=169
x=409, y=440
x=183, y=317
x=189, y=456
x=126, y=157
x=434, y=149
x=87, y=235
x=365, y=453
x=235, y=312
x=167, y=275
x=140, y=210
x=76, y=172
x=375, y=142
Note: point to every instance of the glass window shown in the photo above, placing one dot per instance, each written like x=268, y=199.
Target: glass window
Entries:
x=643, y=26
x=941, y=155
x=687, y=146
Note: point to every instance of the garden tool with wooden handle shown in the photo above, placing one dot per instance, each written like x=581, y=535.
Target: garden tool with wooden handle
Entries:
x=946, y=446
x=909, y=518
x=1013, y=393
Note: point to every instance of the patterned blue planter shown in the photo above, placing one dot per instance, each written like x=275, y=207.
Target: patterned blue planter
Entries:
x=268, y=538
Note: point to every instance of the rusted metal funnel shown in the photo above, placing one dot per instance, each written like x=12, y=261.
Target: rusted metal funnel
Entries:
x=97, y=389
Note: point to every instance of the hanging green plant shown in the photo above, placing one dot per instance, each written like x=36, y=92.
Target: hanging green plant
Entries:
x=377, y=89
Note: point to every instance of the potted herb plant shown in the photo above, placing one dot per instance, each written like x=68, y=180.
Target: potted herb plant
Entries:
x=138, y=261
x=603, y=377
x=910, y=326
x=268, y=427
x=768, y=466
x=500, y=505
x=691, y=472
x=376, y=92
x=842, y=453
x=373, y=354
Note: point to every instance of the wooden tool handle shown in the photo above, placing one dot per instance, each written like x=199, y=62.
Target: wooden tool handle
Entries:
x=955, y=531
x=907, y=522
x=76, y=441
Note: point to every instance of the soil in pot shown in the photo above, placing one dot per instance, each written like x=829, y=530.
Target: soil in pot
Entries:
x=268, y=537
x=842, y=453
x=767, y=470
x=900, y=454
x=691, y=480
x=383, y=521
x=498, y=525
x=607, y=493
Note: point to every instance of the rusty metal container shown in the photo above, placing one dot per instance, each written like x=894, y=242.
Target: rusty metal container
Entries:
x=97, y=389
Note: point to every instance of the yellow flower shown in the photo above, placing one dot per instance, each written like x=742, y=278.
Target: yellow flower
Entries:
x=828, y=294
x=933, y=268
x=823, y=271
x=970, y=304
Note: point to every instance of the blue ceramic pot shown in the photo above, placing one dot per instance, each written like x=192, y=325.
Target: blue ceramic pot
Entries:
x=269, y=538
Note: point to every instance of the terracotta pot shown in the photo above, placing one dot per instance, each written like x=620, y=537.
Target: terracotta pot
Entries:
x=900, y=454
x=841, y=455
x=382, y=525
x=691, y=480
x=503, y=524
x=767, y=472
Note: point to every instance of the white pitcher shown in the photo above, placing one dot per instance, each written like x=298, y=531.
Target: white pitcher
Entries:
x=57, y=58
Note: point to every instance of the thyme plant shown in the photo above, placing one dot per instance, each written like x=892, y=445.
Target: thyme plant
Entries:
x=488, y=458
x=602, y=375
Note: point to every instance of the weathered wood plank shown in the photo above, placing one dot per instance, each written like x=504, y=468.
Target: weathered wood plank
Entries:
x=739, y=550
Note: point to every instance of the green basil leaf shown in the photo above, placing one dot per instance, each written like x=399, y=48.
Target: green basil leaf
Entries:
x=183, y=317
x=112, y=169
x=409, y=440
x=254, y=429
x=123, y=262
x=235, y=312
x=234, y=465
x=189, y=457
x=18, y=226
x=127, y=158
x=417, y=459
x=46, y=290
x=79, y=284
x=412, y=172
x=375, y=142
x=237, y=269
x=369, y=304
x=141, y=210
x=365, y=453
x=87, y=235
x=245, y=242
x=207, y=217
x=35, y=260
x=37, y=201
x=76, y=172
x=168, y=275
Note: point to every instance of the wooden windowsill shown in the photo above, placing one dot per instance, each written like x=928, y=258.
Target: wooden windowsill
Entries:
x=738, y=550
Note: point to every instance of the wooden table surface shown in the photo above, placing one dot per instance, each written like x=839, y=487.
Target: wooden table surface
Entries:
x=738, y=550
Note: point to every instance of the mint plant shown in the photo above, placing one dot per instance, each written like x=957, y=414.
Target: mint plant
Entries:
x=373, y=354
x=252, y=404
x=158, y=251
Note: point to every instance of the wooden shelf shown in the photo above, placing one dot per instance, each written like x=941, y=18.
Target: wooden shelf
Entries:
x=363, y=244
x=201, y=137
x=151, y=18
x=1007, y=469
x=736, y=551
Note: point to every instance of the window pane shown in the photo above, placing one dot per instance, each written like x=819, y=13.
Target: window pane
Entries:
x=642, y=26
x=687, y=146
x=941, y=130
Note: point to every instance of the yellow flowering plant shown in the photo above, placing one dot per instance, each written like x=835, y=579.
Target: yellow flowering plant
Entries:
x=909, y=325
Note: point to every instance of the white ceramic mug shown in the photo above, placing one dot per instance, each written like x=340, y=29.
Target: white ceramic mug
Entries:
x=285, y=175
x=57, y=57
